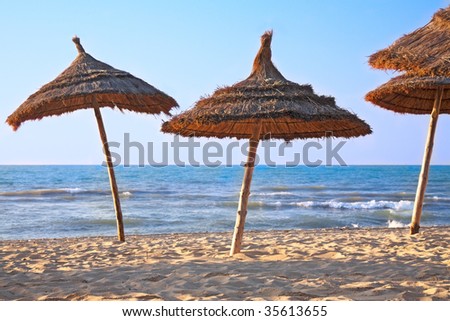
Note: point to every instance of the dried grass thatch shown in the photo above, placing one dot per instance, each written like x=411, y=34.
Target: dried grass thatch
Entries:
x=76, y=86
x=287, y=110
x=424, y=52
x=411, y=94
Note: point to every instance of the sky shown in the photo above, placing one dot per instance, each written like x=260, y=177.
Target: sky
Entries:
x=189, y=48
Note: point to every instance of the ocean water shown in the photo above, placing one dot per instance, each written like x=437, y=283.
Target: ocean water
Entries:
x=69, y=201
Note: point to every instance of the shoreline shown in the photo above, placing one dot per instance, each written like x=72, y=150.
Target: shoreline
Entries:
x=317, y=264
x=154, y=235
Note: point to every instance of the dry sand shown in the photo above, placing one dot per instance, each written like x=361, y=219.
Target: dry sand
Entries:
x=353, y=264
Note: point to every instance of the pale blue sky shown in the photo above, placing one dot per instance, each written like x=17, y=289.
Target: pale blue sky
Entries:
x=189, y=48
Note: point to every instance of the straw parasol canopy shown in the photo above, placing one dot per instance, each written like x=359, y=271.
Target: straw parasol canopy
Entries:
x=409, y=94
x=265, y=105
x=89, y=83
x=424, y=57
x=85, y=79
x=424, y=52
x=285, y=109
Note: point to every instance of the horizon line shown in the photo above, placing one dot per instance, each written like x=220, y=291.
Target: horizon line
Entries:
x=221, y=165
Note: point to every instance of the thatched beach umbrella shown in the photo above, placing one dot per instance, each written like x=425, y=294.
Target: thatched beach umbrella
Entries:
x=424, y=52
x=89, y=83
x=416, y=95
x=262, y=106
x=424, y=55
x=410, y=94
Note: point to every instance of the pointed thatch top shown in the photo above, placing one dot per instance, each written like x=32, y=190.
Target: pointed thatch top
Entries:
x=87, y=79
x=411, y=94
x=286, y=109
x=424, y=52
x=263, y=67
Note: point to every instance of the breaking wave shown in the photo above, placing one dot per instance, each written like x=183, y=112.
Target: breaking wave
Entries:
x=395, y=224
x=369, y=205
x=44, y=192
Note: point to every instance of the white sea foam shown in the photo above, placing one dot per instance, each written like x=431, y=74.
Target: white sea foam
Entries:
x=73, y=190
x=309, y=204
x=440, y=198
x=370, y=205
x=127, y=194
x=395, y=224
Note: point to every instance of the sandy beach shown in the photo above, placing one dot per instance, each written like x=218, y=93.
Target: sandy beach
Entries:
x=328, y=264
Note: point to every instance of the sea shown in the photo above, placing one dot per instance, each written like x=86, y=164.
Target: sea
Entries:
x=75, y=201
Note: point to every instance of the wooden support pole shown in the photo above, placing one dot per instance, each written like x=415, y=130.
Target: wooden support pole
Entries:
x=112, y=176
x=245, y=191
x=423, y=177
